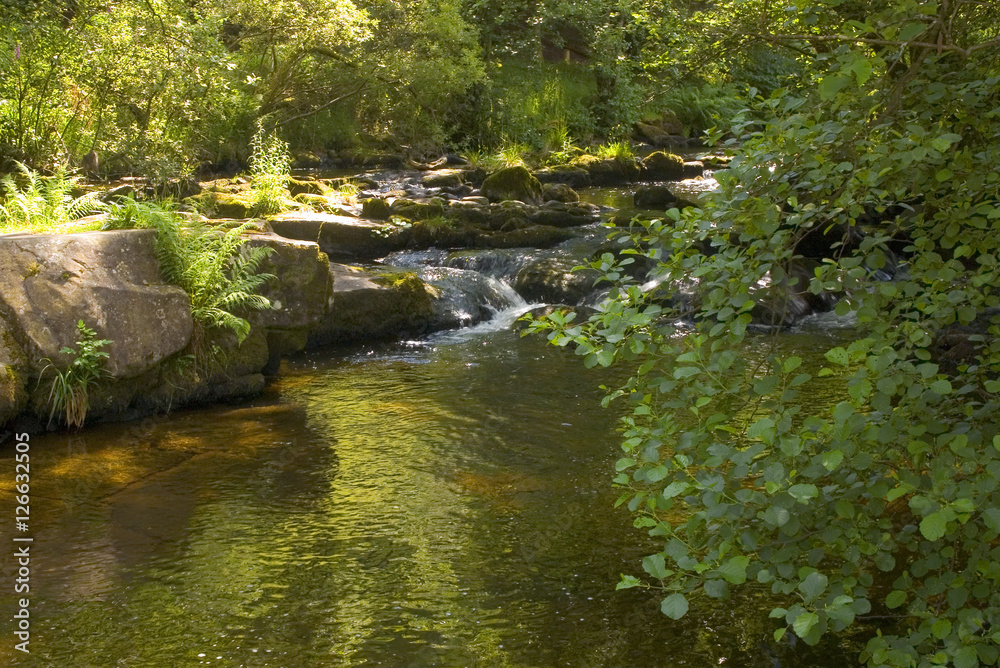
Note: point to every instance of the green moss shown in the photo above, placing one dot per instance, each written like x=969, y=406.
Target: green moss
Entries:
x=33, y=270
x=513, y=183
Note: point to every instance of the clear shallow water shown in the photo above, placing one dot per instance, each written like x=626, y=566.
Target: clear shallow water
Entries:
x=438, y=503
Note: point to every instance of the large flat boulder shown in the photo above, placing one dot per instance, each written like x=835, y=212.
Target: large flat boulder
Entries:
x=340, y=237
x=110, y=280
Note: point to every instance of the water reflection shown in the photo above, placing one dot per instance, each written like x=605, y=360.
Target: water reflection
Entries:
x=441, y=504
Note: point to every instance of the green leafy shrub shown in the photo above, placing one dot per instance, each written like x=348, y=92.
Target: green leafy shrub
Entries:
x=863, y=484
x=43, y=204
x=70, y=393
x=700, y=107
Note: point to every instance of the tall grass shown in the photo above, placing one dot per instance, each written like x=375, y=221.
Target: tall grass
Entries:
x=270, y=168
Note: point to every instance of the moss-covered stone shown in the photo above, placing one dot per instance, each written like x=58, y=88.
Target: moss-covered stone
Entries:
x=574, y=176
x=13, y=385
x=608, y=171
x=663, y=166
x=223, y=204
x=375, y=208
x=513, y=183
x=415, y=210
x=370, y=304
x=559, y=192
x=305, y=187
x=443, y=178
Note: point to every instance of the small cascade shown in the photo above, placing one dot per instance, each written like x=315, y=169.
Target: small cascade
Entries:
x=468, y=297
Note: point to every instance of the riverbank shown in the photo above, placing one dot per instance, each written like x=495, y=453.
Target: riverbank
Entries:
x=409, y=253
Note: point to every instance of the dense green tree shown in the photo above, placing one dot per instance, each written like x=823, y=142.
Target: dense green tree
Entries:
x=883, y=504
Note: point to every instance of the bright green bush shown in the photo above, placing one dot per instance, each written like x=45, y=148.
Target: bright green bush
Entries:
x=879, y=503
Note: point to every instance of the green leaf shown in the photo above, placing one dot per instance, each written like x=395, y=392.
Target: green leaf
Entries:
x=830, y=85
x=909, y=31
x=803, y=492
x=895, y=599
x=804, y=623
x=674, y=606
x=627, y=582
x=716, y=588
x=814, y=585
x=942, y=387
x=791, y=364
x=832, y=459
x=655, y=565
x=991, y=518
x=735, y=570
x=934, y=526
x=941, y=629
x=966, y=657
x=838, y=355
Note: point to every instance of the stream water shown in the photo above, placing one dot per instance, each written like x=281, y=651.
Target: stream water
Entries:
x=441, y=502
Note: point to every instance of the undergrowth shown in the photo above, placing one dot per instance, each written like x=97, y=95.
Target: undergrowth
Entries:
x=34, y=203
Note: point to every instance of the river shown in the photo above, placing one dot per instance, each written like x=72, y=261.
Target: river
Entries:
x=438, y=502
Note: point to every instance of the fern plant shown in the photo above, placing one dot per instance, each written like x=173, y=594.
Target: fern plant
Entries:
x=41, y=204
x=220, y=276
x=70, y=392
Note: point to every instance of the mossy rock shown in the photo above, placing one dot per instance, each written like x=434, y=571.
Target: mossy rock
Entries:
x=443, y=178
x=533, y=236
x=416, y=210
x=570, y=175
x=513, y=183
x=608, y=171
x=313, y=201
x=663, y=166
x=305, y=187
x=440, y=233
x=13, y=384
x=306, y=160
x=223, y=205
x=370, y=304
x=375, y=208
x=559, y=192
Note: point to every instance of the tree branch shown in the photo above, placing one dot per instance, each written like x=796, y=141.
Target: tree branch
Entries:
x=313, y=112
x=937, y=46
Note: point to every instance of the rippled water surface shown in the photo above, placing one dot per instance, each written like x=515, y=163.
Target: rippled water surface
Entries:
x=441, y=503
